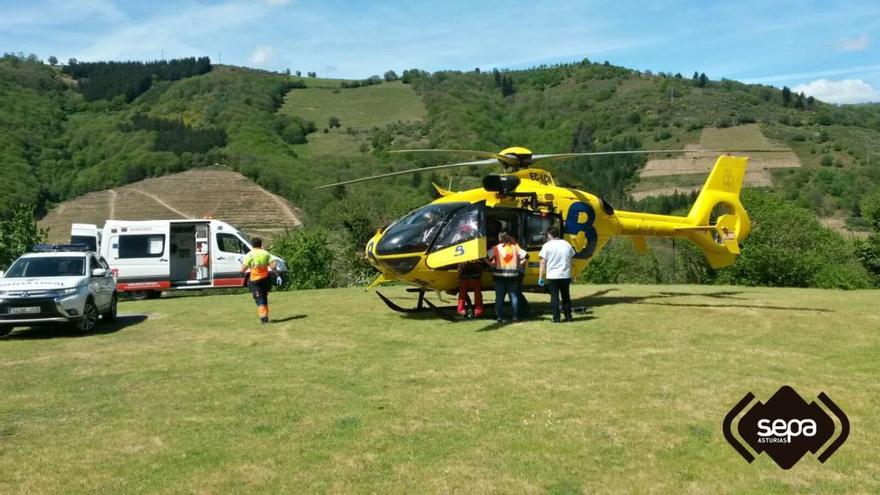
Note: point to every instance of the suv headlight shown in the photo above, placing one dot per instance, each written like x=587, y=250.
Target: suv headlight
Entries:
x=68, y=291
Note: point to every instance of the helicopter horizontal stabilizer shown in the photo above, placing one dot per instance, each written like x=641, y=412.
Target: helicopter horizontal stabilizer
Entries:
x=717, y=222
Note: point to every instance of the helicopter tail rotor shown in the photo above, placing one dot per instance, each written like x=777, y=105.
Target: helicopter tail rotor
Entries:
x=719, y=220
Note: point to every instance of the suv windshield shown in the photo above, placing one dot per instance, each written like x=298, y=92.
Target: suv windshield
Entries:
x=65, y=266
x=416, y=231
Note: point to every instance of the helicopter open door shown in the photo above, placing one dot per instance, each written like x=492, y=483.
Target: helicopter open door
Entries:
x=462, y=238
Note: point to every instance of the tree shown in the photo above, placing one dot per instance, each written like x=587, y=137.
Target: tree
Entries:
x=18, y=234
x=788, y=247
x=786, y=96
x=53, y=60
x=507, y=88
x=868, y=250
x=390, y=76
x=287, y=72
x=71, y=61
x=298, y=73
x=870, y=208
x=309, y=258
x=701, y=82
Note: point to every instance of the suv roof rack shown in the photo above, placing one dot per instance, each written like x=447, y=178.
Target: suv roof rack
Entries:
x=51, y=248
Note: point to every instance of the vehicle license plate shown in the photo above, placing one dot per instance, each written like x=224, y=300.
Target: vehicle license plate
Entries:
x=29, y=310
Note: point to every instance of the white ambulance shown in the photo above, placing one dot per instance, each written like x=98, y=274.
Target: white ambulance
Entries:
x=148, y=257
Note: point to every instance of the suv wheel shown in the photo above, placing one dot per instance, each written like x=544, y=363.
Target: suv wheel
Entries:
x=89, y=319
x=110, y=315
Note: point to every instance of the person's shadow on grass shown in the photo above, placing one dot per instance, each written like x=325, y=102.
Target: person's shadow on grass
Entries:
x=61, y=331
x=288, y=318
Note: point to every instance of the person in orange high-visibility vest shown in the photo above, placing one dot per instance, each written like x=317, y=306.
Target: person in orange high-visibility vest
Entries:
x=259, y=263
x=507, y=259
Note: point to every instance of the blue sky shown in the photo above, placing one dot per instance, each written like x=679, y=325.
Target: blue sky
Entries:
x=828, y=49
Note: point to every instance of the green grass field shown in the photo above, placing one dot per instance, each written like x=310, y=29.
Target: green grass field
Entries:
x=191, y=394
x=358, y=108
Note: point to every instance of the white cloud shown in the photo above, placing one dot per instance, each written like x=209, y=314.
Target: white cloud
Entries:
x=36, y=16
x=173, y=34
x=845, y=91
x=853, y=44
x=261, y=55
x=785, y=78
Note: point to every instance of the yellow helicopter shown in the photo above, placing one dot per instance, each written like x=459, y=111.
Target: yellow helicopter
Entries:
x=425, y=247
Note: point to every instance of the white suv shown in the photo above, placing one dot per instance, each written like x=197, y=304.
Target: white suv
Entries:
x=59, y=284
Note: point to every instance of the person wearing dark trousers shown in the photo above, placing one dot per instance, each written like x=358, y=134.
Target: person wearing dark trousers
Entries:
x=556, y=256
x=506, y=260
x=257, y=264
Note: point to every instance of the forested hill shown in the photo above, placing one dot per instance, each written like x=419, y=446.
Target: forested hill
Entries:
x=90, y=126
x=67, y=130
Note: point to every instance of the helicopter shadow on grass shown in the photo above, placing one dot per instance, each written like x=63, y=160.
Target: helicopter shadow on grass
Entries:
x=602, y=299
x=61, y=331
x=582, y=306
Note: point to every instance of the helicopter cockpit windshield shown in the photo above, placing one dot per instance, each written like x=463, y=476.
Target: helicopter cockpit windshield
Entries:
x=416, y=231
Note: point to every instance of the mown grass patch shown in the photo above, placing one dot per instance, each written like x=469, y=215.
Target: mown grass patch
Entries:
x=192, y=394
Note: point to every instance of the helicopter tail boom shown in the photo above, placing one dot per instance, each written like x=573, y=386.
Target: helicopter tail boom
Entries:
x=717, y=221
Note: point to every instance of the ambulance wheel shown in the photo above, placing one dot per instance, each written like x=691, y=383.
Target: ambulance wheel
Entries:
x=110, y=315
x=139, y=295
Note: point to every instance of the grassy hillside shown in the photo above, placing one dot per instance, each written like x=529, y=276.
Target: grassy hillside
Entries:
x=342, y=395
x=221, y=194
x=358, y=110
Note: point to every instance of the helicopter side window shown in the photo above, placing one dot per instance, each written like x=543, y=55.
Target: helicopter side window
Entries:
x=416, y=231
x=501, y=220
x=535, y=227
x=463, y=226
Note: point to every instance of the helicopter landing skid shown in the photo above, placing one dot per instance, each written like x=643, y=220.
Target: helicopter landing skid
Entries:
x=420, y=306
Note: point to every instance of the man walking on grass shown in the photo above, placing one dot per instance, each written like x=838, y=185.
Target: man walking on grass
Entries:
x=556, y=256
x=259, y=262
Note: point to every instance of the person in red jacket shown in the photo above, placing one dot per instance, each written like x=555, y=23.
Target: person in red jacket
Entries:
x=470, y=276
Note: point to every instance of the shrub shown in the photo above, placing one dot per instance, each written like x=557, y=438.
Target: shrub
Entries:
x=18, y=234
x=788, y=247
x=308, y=256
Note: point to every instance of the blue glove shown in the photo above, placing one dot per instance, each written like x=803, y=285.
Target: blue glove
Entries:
x=541, y=282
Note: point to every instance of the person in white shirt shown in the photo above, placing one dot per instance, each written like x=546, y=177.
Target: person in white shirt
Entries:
x=556, y=256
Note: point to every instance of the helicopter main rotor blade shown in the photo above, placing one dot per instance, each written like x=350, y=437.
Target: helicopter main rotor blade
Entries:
x=482, y=154
x=564, y=156
x=412, y=170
